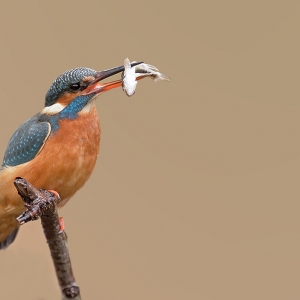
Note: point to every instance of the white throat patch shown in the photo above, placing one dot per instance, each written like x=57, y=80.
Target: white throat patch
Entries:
x=53, y=109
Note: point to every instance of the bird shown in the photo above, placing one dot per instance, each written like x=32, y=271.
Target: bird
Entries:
x=58, y=147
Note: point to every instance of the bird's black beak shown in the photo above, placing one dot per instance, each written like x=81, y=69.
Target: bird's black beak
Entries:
x=97, y=88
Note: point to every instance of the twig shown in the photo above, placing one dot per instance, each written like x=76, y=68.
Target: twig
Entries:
x=43, y=204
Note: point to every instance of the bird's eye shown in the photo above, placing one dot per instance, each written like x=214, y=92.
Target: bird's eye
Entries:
x=75, y=86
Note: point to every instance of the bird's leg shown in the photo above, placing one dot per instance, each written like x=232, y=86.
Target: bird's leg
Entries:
x=62, y=224
x=61, y=220
x=55, y=193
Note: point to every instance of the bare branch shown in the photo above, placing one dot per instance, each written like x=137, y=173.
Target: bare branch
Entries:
x=43, y=204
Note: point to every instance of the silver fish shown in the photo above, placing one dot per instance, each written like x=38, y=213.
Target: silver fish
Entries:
x=129, y=78
x=132, y=74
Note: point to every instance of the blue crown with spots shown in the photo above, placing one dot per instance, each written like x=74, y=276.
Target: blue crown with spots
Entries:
x=61, y=83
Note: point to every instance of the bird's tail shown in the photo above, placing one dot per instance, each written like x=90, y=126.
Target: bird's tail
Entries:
x=9, y=239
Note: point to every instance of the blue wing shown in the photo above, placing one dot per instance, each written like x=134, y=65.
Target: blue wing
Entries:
x=26, y=142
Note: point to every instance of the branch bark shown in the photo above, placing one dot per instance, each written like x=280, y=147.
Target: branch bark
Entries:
x=42, y=204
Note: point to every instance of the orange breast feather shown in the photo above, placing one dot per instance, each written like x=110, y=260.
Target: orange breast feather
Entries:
x=64, y=164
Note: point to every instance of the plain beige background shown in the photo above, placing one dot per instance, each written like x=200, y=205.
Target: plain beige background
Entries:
x=196, y=190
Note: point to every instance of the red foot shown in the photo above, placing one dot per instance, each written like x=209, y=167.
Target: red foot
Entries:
x=62, y=224
x=55, y=193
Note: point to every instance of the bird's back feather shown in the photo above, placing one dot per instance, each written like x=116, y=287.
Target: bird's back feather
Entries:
x=26, y=142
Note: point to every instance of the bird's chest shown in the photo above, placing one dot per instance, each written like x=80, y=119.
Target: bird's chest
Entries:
x=77, y=142
x=69, y=155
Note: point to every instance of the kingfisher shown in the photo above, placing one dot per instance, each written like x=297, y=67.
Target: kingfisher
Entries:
x=57, y=148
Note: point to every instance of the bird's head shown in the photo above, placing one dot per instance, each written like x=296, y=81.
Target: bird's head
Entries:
x=76, y=87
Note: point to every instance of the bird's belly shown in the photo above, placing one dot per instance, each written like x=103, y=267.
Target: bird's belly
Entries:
x=64, y=164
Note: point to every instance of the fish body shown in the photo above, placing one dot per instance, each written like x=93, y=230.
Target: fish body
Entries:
x=129, y=78
x=132, y=74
